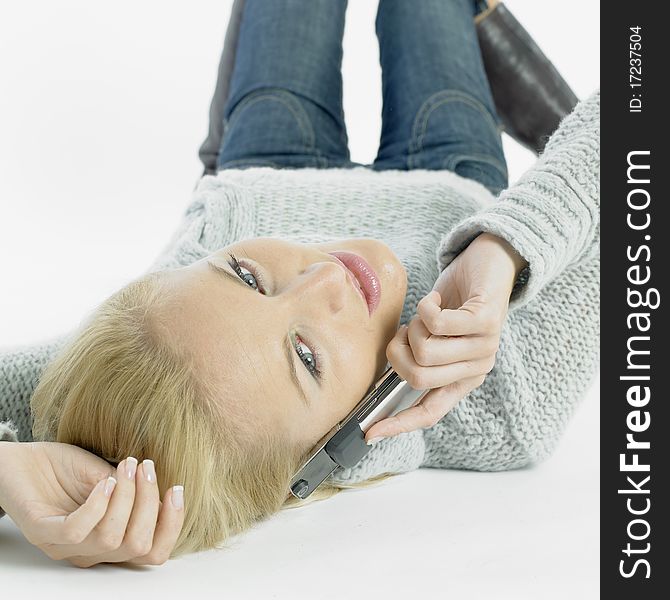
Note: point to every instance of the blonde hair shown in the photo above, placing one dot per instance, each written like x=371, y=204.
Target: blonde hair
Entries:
x=118, y=389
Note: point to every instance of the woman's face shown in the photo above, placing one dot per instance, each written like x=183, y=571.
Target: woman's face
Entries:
x=246, y=334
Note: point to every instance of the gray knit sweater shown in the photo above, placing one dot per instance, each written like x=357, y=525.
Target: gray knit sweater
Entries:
x=549, y=347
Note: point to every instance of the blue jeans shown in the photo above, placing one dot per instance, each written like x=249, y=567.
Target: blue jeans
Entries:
x=284, y=106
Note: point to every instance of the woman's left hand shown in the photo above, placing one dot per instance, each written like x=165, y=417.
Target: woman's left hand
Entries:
x=450, y=345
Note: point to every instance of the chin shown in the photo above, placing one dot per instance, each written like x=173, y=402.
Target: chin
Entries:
x=388, y=266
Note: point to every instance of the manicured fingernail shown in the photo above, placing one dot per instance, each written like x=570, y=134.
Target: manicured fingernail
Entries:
x=374, y=440
x=178, y=496
x=149, y=470
x=131, y=467
x=109, y=486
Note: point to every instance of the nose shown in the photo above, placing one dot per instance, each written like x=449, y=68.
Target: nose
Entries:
x=323, y=285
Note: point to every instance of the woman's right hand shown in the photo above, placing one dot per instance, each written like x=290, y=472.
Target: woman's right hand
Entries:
x=55, y=493
x=450, y=346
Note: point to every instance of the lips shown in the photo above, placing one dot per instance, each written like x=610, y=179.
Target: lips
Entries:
x=363, y=277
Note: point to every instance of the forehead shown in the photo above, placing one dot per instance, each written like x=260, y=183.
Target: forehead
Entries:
x=234, y=345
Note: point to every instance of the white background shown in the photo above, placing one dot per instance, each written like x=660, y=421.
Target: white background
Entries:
x=102, y=110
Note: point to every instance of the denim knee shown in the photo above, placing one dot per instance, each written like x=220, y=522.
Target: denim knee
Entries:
x=453, y=130
x=265, y=123
x=278, y=128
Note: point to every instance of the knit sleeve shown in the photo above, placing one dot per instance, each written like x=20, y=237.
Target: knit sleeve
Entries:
x=546, y=362
x=551, y=216
x=20, y=370
x=8, y=433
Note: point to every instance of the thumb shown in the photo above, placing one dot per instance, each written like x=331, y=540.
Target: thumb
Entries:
x=400, y=337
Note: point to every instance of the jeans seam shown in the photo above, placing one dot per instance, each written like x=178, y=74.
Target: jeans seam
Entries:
x=246, y=161
x=429, y=106
x=301, y=118
x=453, y=159
x=291, y=103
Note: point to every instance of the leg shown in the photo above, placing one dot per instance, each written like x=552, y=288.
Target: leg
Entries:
x=285, y=102
x=209, y=149
x=438, y=109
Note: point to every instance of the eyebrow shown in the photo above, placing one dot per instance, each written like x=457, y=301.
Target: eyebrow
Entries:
x=289, y=351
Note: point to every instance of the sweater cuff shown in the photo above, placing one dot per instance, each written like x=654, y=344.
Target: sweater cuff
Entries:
x=8, y=433
x=530, y=279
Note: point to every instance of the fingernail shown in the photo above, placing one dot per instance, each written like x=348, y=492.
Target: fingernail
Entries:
x=131, y=467
x=149, y=470
x=109, y=486
x=374, y=440
x=178, y=496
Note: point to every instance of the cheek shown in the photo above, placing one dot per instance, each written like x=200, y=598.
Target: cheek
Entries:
x=358, y=355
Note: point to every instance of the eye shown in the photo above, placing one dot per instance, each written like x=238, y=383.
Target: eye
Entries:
x=249, y=277
x=310, y=359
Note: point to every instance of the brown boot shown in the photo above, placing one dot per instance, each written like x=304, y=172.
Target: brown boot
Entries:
x=530, y=95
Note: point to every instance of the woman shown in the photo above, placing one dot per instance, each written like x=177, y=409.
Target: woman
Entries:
x=248, y=338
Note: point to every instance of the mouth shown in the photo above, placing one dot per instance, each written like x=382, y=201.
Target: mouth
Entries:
x=363, y=278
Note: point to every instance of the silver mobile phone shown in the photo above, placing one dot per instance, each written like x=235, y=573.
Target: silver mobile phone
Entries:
x=344, y=445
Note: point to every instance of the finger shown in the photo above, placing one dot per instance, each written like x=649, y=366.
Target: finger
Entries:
x=139, y=537
x=471, y=318
x=170, y=523
x=110, y=532
x=430, y=350
x=107, y=536
x=417, y=334
x=73, y=528
x=431, y=299
x=139, y=532
x=82, y=562
x=432, y=407
x=398, y=349
x=401, y=356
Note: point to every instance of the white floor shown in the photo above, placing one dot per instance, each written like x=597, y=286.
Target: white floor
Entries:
x=102, y=113
x=524, y=534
